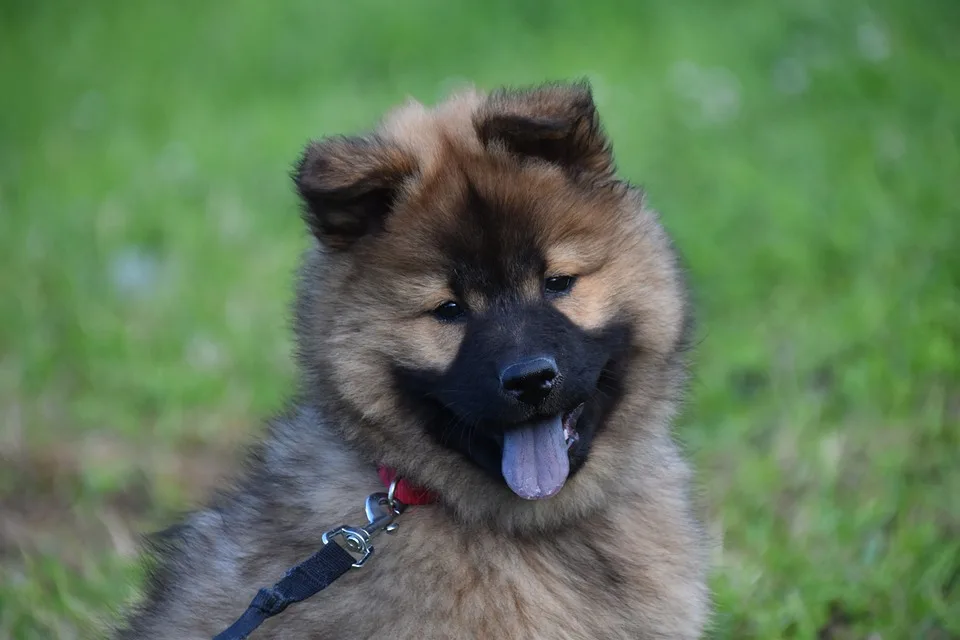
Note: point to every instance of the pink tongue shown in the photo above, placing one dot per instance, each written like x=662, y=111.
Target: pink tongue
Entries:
x=535, y=463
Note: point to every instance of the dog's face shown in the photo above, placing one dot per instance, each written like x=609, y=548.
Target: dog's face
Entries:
x=487, y=297
x=525, y=383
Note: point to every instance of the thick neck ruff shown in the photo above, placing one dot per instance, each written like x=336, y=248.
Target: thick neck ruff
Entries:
x=405, y=492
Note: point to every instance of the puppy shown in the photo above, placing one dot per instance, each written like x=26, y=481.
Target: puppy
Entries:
x=491, y=314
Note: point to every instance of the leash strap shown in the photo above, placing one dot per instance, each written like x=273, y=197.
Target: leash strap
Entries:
x=311, y=576
x=318, y=572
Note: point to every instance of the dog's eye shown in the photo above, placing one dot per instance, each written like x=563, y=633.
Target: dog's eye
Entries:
x=558, y=284
x=449, y=311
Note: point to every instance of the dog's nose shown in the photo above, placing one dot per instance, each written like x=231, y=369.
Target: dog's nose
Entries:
x=529, y=381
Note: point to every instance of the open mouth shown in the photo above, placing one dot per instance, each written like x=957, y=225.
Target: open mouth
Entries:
x=570, y=433
x=535, y=462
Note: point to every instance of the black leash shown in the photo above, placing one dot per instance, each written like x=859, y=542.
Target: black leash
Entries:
x=320, y=570
x=304, y=580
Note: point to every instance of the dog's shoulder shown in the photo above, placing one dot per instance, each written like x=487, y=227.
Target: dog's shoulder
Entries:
x=295, y=483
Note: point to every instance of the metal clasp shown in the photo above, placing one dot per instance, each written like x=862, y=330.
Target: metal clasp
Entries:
x=381, y=510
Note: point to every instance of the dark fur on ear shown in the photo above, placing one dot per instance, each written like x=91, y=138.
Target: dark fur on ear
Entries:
x=556, y=123
x=348, y=185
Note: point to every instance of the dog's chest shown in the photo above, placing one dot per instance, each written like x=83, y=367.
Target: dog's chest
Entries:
x=427, y=582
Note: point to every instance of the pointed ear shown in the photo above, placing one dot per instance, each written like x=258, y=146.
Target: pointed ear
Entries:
x=348, y=185
x=556, y=123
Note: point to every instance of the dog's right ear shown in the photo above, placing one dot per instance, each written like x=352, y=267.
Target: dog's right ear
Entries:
x=348, y=185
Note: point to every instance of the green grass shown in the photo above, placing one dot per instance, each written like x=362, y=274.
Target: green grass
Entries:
x=806, y=155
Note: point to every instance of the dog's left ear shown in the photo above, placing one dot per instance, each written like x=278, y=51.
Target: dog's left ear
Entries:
x=557, y=123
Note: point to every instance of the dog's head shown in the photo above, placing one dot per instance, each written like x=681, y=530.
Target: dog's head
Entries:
x=489, y=308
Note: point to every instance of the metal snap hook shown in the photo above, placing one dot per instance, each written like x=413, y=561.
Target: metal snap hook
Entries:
x=391, y=493
x=381, y=510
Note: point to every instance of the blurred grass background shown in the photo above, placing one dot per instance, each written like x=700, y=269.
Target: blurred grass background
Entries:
x=804, y=153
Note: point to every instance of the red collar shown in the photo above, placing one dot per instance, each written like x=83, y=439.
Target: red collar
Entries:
x=405, y=492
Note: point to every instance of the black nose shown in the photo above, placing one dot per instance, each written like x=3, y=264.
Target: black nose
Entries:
x=529, y=381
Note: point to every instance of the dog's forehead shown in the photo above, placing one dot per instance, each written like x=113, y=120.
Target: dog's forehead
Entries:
x=481, y=243
x=494, y=245
x=490, y=224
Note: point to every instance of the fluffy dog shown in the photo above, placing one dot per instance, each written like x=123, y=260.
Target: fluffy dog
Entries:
x=490, y=311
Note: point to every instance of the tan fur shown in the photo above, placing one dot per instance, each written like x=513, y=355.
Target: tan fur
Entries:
x=616, y=554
